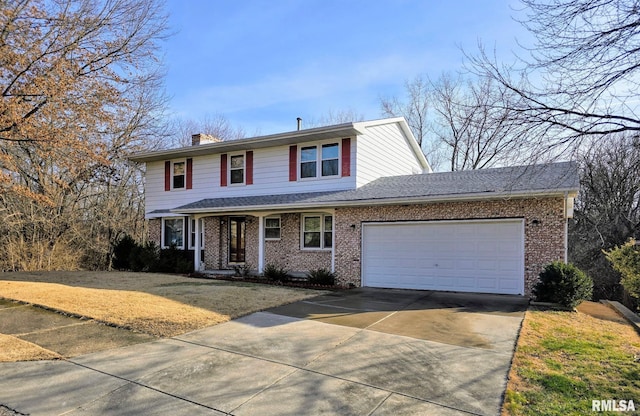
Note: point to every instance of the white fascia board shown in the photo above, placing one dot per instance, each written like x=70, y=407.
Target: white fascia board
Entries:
x=385, y=201
x=293, y=137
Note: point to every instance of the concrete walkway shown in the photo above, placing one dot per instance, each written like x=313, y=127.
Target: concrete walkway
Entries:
x=361, y=352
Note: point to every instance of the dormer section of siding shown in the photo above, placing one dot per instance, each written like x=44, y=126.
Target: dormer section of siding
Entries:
x=384, y=150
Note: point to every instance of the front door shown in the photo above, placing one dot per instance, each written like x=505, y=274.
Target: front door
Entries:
x=236, y=239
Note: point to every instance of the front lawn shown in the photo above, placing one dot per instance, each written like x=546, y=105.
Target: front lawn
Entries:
x=564, y=360
x=155, y=304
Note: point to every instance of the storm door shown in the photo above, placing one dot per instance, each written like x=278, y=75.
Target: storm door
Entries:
x=236, y=239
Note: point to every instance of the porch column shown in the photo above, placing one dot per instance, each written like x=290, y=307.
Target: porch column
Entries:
x=197, y=265
x=260, y=243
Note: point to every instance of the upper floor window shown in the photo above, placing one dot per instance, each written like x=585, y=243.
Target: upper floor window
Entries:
x=179, y=173
x=236, y=170
x=320, y=160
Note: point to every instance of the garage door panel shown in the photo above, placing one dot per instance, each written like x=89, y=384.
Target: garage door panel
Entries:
x=482, y=256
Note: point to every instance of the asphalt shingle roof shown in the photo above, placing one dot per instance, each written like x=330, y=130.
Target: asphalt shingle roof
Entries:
x=498, y=182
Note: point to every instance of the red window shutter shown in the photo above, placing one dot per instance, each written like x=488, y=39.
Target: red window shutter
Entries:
x=223, y=170
x=293, y=162
x=346, y=157
x=167, y=175
x=189, y=173
x=249, y=168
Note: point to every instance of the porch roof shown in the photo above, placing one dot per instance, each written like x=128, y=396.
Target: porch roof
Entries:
x=511, y=182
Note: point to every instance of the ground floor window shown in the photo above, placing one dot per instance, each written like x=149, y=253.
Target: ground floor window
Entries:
x=192, y=233
x=173, y=232
x=272, y=228
x=317, y=231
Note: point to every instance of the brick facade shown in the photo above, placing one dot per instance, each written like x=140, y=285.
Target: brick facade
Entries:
x=543, y=218
x=544, y=229
x=286, y=252
x=155, y=230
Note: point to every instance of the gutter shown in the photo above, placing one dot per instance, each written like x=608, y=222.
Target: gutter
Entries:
x=380, y=202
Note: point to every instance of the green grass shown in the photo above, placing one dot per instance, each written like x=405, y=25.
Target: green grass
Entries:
x=564, y=360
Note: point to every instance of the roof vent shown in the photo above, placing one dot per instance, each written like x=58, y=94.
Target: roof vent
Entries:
x=299, y=123
x=201, y=138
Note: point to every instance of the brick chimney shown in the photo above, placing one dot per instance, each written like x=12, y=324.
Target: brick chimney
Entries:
x=201, y=138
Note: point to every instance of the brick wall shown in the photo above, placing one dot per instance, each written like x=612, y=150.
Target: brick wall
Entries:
x=286, y=251
x=212, y=243
x=544, y=239
x=155, y=230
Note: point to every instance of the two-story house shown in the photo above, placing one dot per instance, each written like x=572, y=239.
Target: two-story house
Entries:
x=359, y=199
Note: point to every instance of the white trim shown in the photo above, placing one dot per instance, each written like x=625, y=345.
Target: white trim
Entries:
x=162, y=245
x=322, y=231
x=191, y=230
x=244, y=168
x=318, y=161
x=171, y=171
x=279, y=218
x=261, y=245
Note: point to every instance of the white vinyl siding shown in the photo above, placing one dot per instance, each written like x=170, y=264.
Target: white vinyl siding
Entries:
x=467, y=256
x=384, y=150
x=270, y=177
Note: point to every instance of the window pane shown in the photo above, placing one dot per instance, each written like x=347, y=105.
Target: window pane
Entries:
x=308, y=170
x=312, y=240
x=178, y=168
x=173, y=232
x=272, y=222
x=328, y=220
x=308, y=154
x=327, y=239
x=311, y=224
x=178, y=182
x=237, y=161
x=330, y=167
x=330, y=151
x=272, y=233
x=237, y=176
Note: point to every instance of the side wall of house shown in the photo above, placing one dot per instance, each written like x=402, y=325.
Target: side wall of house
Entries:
x=544, y=238
x=384, y=151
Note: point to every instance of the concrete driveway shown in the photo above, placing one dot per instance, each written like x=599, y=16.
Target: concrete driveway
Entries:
x=360, y=352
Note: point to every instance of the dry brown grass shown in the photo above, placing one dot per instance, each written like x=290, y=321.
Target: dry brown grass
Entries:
x=14, y=349
x=155, y=304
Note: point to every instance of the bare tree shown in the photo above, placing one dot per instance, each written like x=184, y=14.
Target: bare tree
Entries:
x=581, y=76
x=334, y=117
x=79, y=89
x=414, y=107
x=216, y=125
x=462, y=122
x=476, y=129
x=607, y=211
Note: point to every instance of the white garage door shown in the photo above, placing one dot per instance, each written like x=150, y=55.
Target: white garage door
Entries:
x=465, y=256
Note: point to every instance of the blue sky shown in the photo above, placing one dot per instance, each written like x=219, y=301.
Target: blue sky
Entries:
x=262, y=63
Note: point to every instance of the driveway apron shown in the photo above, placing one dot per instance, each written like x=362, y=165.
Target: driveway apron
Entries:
x=360, y=352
